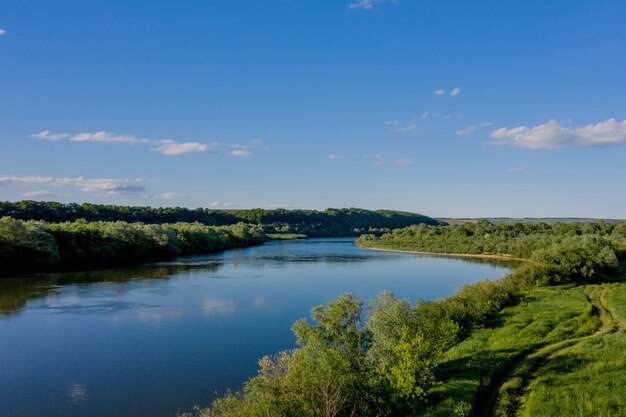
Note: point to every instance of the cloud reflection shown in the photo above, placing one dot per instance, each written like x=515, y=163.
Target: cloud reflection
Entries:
x=157, y=316
x=217, y=306
x=77, y=393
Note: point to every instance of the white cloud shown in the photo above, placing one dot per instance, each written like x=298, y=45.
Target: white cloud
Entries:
x=166, y=147
x=334, y=157
x=98, y=186
x=169, y=196
x=107, y=138
x=217, y=204
x=403, y=162
x=552, y=135
x=169, y=147
x=240, y=153
x=405, y=129
x=2, y=32
x=98, y=137
x=454, y=92
x=394, y=125
x=368, y=4
x=466, y=131
x=40, y=193
x=47, y=135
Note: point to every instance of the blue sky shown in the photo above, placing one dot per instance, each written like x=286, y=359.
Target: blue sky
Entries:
x=448, y=108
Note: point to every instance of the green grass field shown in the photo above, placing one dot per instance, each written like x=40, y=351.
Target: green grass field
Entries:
x=588, y=379
x=486, y=374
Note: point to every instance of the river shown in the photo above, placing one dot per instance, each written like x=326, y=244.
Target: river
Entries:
x=158, y=339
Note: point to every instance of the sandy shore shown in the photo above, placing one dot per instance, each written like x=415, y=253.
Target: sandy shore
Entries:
x=455, y=255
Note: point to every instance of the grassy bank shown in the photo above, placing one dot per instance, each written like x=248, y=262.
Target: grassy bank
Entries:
x=587, y=378
x=490, y=372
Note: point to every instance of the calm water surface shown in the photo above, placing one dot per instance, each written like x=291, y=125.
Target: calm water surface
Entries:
x=156, y=340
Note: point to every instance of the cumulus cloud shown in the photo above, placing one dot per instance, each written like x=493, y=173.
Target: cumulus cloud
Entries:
x=403, y=162
x=368, y=4
x=552, y=135
x=166, y=147
x=240, y=153
x=170, y=147
x=108, y=138
x=454, y=92
x=466, y=131
x=98, y=186
x=98, y=137
x=334, y=157
x=2, y=32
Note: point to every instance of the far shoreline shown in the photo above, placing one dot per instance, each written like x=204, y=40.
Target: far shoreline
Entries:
x=454, y=255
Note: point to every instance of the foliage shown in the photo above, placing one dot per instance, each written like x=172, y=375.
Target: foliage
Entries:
x=519, y=240
x=331, y=222
x=25, y=243
x=38, y=246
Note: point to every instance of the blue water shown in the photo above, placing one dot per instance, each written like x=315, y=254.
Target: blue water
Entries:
x=158, y=339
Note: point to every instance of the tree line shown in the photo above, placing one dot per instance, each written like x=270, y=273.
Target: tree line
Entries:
x=31, y=246
x=382, y=360
x=330, y=222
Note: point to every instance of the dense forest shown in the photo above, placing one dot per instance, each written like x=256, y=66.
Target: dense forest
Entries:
x=330, y=222
x=439, y=358
x=517, y=240
x=30, y=246
x=49, y=236
x=558, y=252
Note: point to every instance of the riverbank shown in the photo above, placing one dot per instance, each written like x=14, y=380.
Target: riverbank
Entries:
x=503, y=257
x=33, y=247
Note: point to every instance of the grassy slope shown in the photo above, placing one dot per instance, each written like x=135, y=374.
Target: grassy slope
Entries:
x=544, y=316
x=587, y=379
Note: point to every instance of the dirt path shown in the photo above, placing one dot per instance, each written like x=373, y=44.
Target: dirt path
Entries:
x=510, y=387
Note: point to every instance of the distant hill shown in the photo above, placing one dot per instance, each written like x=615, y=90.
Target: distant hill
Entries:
x=330, y=222
x=530, y=220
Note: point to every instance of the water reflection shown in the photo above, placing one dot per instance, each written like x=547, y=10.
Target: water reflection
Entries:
x=215, y=306
x=15, y=293
x=77, y=393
